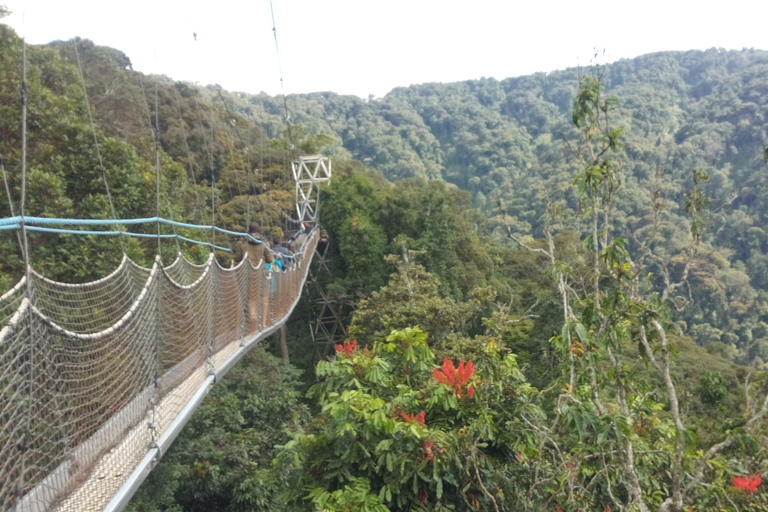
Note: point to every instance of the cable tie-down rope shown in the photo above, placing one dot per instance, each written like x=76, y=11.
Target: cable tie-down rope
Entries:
x=13, y=290
x=115, y=327
x=10, y=327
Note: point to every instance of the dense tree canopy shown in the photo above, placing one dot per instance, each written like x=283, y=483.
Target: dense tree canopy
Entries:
x=557, y=282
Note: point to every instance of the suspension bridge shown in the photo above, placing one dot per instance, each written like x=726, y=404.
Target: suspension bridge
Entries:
x=97, y=379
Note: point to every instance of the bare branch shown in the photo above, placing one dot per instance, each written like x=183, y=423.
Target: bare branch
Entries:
x=619, y=505
x=676, y=499
x=480, y=480
x=526, y=246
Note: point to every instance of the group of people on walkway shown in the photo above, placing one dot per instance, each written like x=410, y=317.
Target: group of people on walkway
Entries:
x=277, y=256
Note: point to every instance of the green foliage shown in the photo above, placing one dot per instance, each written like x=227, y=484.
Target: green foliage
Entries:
x=368, y=218
x=411, y=297
x=557, y=397
x=350, y=214
x=366, y=430
x=352, y=498
x=712, y=388
x=222, y=458
x=437, y=221
x=368, y=445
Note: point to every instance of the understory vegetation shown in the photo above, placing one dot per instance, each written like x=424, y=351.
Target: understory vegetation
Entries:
x=556, y=283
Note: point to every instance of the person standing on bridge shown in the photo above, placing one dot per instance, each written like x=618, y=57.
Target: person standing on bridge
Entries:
x=257, y=250
x=255, y=246
x=283, y=253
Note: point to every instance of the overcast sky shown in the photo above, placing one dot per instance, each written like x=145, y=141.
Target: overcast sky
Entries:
x=367, y=47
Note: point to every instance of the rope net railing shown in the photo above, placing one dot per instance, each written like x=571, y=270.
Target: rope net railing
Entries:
x=95, y=375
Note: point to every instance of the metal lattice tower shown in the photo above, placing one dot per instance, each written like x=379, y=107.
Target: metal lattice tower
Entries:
x=309, y=172
x=329, y=313
x=327, y=325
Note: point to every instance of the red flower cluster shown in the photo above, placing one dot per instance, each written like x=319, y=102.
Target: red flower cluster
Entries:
x=347, y=348
x=428, y=445
x=748, y=483
x=457, y=378
x=414, y=418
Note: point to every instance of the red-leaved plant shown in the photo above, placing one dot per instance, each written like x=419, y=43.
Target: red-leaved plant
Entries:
x=748, y=483
x=347, y=348
x=456, y=378
x=414, y=418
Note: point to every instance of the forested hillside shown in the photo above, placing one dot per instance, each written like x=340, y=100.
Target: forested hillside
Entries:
x=506, y=140
x=558, y=282
x=497, y=131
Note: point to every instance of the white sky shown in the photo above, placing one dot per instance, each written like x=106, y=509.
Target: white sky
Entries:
x=364, y=47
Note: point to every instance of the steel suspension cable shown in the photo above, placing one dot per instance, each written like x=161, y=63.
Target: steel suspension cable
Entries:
x=205, y=142
x=280, y=71
x=152, y=132
x=184, y=135
x=10, y=197
x=287, y=118
x=152, y=426
x=157, y=167
x=7, y=187
x=212, y=123
x=189, y=157
x=248, y=187
x=261, y=173
x=247, y=156
x=209, y=151
x=229, y=187
x=96, y=138
x=213, y=208
x=27, y=268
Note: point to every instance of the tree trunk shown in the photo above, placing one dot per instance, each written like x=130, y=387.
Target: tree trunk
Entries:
x=283, y=343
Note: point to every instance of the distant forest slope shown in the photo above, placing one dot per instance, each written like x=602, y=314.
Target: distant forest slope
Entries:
x=506, y=140
x=700, y=108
